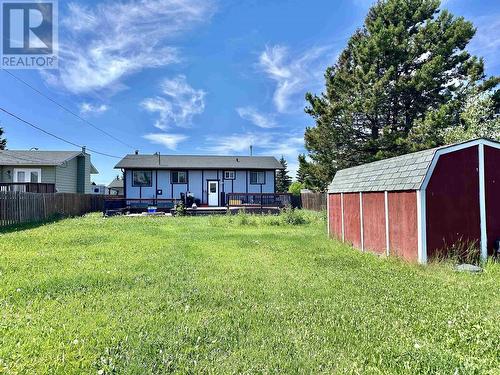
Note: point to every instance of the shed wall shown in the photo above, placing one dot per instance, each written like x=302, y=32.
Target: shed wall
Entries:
x=374, y=222
x=452, y=201
x=352, y=223
x=492, y=187
x=403, y=228
x=335, y=216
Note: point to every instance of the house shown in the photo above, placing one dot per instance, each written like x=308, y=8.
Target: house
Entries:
x=46, y=171
x=98, y=189
x=207, y=179
x=418, y=205
x=115, y=187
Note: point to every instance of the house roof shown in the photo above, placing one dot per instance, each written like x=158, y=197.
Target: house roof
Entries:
x=406, y=172
x=198, y=162
x=116, y=183
x=38, y=158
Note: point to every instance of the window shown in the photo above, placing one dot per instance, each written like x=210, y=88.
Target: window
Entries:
x=229, y=175
x=142, y=178
x=257, y=177
x=179, y=177
x=27, y=175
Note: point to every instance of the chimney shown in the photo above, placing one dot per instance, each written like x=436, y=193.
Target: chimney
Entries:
x=251, y=150
x=84, y=149
x=137, y=152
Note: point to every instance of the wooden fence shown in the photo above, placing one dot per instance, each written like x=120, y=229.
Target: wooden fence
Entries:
x=19, y=208
x=313, y=201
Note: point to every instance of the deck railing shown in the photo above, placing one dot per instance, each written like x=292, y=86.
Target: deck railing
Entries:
x=27, y=187
x=258, y=199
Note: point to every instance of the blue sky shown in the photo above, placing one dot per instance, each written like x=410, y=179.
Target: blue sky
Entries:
x=195, y=76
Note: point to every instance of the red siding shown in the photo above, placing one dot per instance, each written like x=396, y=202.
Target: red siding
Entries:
x=374, y=222
x=352, y=223
x=492, y=186
x=403, y=230
x=452, y=200
x=335, y=216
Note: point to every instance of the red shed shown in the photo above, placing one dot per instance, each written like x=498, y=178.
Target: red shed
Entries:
x=418, y=204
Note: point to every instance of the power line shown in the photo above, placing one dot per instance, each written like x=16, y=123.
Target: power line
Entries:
x=54, y=135
x=67, y=109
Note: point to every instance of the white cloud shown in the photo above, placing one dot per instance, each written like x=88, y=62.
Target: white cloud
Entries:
x=179, y=103
x=103, y=44
x=89, y=109
x=170, y=141
x=263, y=143
x=294, y=74
x=486, y=42
x=258, y=119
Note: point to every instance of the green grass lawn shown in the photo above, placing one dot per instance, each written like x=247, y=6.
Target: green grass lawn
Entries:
x=220, y=295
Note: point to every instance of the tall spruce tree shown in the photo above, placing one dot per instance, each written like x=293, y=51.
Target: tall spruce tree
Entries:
x=3, y=141
x=283, y=180
x=402, y=79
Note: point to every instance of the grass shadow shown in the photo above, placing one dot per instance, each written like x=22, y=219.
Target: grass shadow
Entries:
x=26, y=226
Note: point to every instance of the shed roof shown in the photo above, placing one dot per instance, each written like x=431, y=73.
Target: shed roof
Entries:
x=198, y=162
x=406, y=172
x=38, y=158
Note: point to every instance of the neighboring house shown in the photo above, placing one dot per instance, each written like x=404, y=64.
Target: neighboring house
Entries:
x=98, y=189
x=116, y=187
x=66, y=171
x=207, y=178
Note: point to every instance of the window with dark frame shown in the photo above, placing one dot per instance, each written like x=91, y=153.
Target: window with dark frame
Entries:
x=179, y=177
x=142, y=178
x=257, y=177
x=229, y=175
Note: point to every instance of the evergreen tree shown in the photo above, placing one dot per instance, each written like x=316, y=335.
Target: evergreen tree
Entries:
x=3, y=141
x=403, y=79
x=283, y=180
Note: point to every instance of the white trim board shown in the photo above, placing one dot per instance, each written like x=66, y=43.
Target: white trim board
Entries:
x=342, y=210
x=386, y=204
x=482, y=204
x=328, y=214
x=361, y=221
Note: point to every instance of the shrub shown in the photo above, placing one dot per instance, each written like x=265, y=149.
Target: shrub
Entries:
x=295, y=188
x=293, y=217
x=180, y=209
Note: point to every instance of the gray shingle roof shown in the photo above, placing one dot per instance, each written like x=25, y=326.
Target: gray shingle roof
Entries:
x=116, y=183
x=38, y=158
x=406, y=172
x=22, y=157
x=198, y=162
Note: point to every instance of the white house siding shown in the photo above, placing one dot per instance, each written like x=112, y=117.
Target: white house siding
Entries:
x=197, y=184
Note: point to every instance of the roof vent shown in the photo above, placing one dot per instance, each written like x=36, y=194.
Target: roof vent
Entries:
x=137, y=152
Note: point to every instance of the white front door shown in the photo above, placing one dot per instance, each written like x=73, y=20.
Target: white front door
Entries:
x=213, y=193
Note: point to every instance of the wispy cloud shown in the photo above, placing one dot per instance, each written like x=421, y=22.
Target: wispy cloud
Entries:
x=101, y=45
x=269, y=144
x=170, y=141
x=294, y=74
x=92, y=109
x=177, y=105
x=486, y=42
x=263, y=143
x=261, y=120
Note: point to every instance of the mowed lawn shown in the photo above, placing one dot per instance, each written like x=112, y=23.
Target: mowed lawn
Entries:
x=240, y=295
